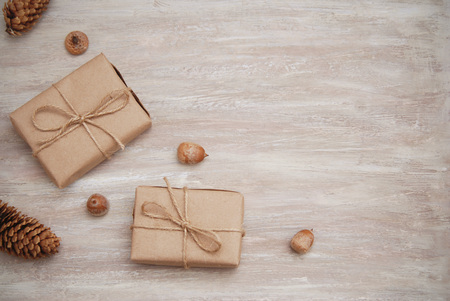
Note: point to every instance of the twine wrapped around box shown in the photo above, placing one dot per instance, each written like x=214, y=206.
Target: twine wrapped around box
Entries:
x=77, y=119
x=81, y=120
x=206, y=239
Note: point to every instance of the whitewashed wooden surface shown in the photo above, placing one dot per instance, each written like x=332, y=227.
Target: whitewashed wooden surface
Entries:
x=332, y=115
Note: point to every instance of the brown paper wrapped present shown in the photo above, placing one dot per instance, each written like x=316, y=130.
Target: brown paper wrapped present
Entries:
x=187, y=227
x=81, y=120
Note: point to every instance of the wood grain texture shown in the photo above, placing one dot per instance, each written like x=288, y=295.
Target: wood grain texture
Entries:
x=331, y=115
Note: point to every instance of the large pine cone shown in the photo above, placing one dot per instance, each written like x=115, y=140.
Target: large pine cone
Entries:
x=24, y=236
x=22, y=15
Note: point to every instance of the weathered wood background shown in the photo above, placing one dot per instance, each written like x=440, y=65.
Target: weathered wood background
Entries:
x=331, y=115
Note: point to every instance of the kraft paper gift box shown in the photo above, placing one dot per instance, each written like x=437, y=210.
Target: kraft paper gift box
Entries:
x=205, y=231
x=81, y=120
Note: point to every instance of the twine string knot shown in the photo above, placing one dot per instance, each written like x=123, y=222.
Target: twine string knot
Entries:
x=206, y=239
x=184, y=225
x=75, y=119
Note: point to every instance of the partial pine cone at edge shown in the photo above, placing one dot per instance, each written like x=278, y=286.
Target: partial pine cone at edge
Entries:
x=24, y=236
x=22, y=15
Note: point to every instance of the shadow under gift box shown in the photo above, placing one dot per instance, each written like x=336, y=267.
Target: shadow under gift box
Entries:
x=218, y=211
x=85, y=143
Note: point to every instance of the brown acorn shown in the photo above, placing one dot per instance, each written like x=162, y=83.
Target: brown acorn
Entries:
x=97, y=205
x=302, y=241
x=76, y=42
x=191, y=153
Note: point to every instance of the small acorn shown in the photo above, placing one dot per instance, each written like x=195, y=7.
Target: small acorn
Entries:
x=76, y=42
x=97, y=205
x=302, y=241
x=190, y=153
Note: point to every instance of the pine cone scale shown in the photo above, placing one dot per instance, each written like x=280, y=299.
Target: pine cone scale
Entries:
x=17, y=249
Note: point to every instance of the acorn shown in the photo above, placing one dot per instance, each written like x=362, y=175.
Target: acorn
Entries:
x=76, y=42
x=97, y=205
x=302, y=241
x=190, y=153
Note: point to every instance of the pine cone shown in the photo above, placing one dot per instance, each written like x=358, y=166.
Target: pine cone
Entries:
x=21, y=15
x=24, y=236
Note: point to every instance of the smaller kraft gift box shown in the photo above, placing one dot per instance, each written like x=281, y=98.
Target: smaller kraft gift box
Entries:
x=81, y=120
x=187, y=227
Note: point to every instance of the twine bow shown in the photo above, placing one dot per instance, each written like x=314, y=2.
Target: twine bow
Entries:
x=206, y=239
x=76, y=119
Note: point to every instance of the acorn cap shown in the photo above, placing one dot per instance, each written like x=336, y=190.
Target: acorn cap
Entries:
x=76, y=42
